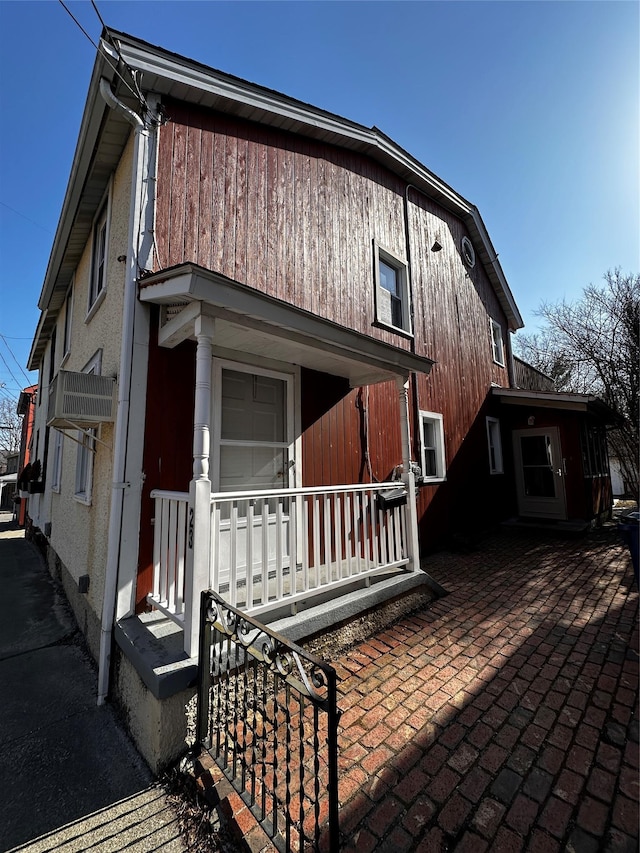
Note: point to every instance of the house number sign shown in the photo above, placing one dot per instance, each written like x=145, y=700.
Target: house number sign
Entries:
x=191, y=528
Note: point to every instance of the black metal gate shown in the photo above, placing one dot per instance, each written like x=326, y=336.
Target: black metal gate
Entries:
x=267, y=714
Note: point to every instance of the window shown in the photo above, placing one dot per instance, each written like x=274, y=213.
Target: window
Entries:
x=496, y=343
x=595, y=457
x=495, y=446
x=99, y=256
x=392, y=291
x=68, y=312
x=86, y=446
x=432, y=441
x=52, y=356
x=56, y=476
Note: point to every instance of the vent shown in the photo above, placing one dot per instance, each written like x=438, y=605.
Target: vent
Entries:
x=81, y=400
x=468, y=252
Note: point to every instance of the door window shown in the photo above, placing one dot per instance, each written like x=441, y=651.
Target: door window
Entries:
x=254, y=447
x=537, y=466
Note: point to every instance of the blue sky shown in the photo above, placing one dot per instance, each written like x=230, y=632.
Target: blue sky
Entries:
x=530, y=110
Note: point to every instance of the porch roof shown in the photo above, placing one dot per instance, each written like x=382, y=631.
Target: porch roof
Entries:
x=557, y=400
x=256, y=323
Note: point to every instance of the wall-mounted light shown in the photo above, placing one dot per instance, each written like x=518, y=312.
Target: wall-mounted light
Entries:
x=531, y=420
x=437, y=245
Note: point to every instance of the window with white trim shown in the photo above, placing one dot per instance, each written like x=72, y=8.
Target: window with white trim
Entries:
x=494, y=442
x=392, y=291
x=86, y=446
x=432, y=444
x=56, y=475
x=496, y=342
x=68, y=313
x=99, y=255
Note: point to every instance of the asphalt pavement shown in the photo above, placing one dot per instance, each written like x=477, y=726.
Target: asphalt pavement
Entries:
x=70, y=777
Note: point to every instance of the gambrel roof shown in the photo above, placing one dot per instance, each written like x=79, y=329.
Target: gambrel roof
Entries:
x=104, y=133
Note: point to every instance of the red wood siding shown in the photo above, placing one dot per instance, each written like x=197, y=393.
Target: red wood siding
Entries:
x=168, y=446
x=297, y=219
x=339, y=424
x=289, y=216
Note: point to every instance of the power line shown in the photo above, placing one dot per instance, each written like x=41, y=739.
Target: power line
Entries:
x=33, y=222
x=9, y=369
x=137, y=94
x=14, y=358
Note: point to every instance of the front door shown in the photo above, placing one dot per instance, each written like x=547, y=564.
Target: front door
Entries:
x=252, y=451
x=539, y=473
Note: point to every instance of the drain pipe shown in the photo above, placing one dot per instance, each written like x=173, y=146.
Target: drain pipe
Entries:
x=140, y=209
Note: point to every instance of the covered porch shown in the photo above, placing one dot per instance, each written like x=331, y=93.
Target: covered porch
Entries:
x=250, y=525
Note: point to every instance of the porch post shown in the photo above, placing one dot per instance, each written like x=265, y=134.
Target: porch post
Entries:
x=408, y=477
x=198, y=545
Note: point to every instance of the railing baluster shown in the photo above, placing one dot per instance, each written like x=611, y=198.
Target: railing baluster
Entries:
x=279, y=561
x=164, y=551
x=233, y=554
x=249, y=552
x=316, y=538
x=172, y=556
x=337, y=534
x=157, y=545
x=181, y=551
x=304, y=516
x=348, y=533
x=327, y=538
x=265, y=551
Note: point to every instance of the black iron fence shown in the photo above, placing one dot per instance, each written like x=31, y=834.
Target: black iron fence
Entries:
x=267, y=714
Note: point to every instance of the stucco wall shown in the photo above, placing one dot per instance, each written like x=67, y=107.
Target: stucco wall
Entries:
x=79, y=531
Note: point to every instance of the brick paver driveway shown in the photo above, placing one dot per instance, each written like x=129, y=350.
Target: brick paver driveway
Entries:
x=505, y=715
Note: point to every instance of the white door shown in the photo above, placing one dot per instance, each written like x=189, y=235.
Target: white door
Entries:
x=253, y=449
x=539, y=473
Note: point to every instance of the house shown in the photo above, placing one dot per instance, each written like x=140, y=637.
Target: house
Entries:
x=8, y=482
x=26, y=408
x=274, y=355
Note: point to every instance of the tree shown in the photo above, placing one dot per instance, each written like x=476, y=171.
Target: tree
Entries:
x=10, y=430
x=592, y=346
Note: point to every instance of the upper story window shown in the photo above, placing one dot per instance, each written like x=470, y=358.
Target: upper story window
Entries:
x=392, y=291
x=494, y=441
x=432, y=442
x=52, y=356
x=496, y=343
x=99, y=255
x=68, y=313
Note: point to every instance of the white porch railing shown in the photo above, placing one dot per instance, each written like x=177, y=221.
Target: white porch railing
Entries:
x=279, y=547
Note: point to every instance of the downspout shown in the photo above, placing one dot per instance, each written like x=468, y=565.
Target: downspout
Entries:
x=142, y=151
x=415, y=404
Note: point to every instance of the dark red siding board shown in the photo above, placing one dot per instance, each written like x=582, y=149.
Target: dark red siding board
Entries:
x=167, y=460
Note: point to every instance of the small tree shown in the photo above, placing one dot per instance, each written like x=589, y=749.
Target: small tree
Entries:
x=592, y=346
x=10, y=426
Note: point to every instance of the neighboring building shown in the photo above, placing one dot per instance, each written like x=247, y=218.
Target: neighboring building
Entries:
x=275, y=359
x=29, y=442
x=8, y=482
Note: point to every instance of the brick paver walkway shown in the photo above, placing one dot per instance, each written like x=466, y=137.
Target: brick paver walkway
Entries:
x=503, y=716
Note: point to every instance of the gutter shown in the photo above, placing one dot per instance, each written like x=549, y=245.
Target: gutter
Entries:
x=140, y=211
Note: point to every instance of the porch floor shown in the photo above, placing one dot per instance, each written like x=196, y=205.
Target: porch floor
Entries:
x=154, y=643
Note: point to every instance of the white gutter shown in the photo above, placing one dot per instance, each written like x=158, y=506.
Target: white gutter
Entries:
x=141, y=209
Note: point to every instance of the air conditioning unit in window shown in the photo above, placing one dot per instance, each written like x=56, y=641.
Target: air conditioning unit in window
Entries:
x=81, y=400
